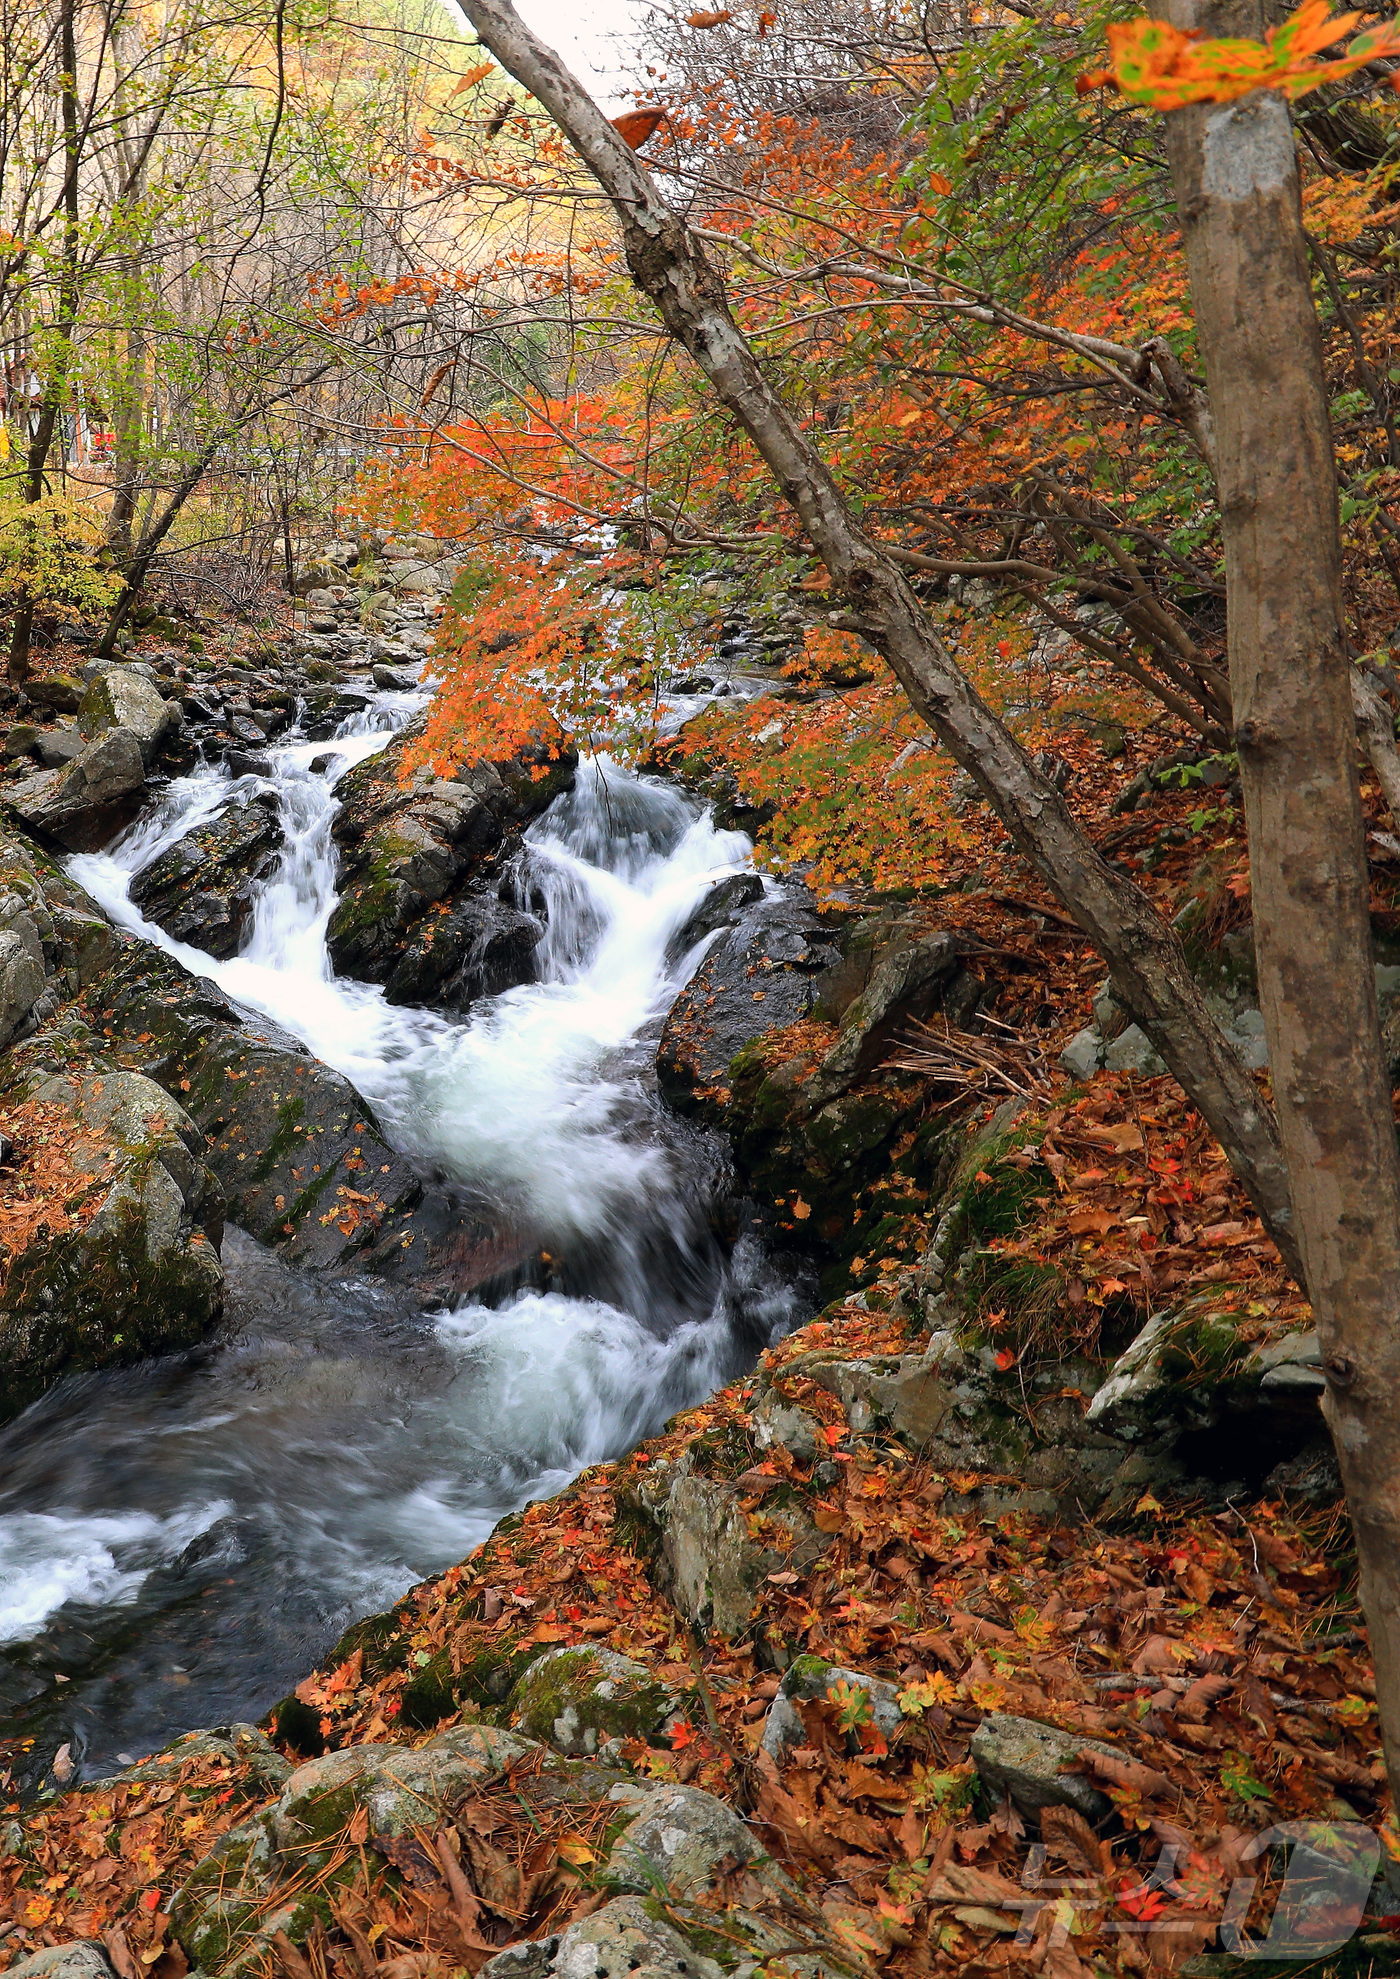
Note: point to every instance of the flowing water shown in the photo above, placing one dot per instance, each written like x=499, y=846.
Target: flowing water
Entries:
x=182, y=1540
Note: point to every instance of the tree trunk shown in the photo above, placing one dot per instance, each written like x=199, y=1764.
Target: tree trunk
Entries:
x=41, y=436
x=1145, y=960
x=1236, y=175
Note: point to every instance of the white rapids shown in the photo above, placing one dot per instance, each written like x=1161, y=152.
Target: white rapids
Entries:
x=329, y=1449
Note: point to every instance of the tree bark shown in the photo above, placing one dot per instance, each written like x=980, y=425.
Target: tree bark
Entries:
x=1236, y=176
x=1145, y=961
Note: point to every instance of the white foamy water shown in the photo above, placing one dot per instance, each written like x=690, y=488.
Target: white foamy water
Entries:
x=337, y=1447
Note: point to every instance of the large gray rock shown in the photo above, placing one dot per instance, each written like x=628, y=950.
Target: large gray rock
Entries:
x=579, y=1699
x=84, y=807
x=624, y=1940
x=401, y=1789
x=120, y=698
x=22, y=974
x=1022, y=1757
x=137, y=1271
x=201, y=889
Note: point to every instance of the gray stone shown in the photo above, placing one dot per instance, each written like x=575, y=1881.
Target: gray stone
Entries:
x=686, y=1840
x=529, y=1958
x=86, y=1958
x=909, y=983
x=392, y=681
x=242, y=1744
x=907, y=1394
x=579, y=1698
x=624, y=1941
x=1136, y=1373
x=1134, y=1052
x=1082, y=1057
x=719, y=908
x=811, y=1677
x=713, y=1564
x=83, y=807
x=119, y=698
x=776, y=1421
x=223, y=1915
x=1022, y=1757
x=59, y=747
x=20, y=740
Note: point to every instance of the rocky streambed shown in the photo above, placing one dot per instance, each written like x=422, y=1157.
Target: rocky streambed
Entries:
x=417, y=1146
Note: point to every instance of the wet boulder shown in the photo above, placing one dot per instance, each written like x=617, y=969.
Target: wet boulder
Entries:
x=758, y=976
x=909, y=983
x=201, y=889
x=579, y=1699
x=295, y=1147
x=478, y=947
x=409, y=848
x=126, y=1264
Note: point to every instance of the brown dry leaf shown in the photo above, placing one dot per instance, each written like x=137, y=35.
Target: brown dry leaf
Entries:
x=1064, y=1829
x=1117, y=1770
x=1160, y=1656
x=1196, y=1703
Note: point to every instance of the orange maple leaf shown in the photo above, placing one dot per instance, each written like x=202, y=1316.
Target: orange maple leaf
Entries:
x=1162, y=68
x=636, y=126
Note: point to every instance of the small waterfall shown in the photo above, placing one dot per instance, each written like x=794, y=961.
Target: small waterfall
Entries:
x=207, y=1525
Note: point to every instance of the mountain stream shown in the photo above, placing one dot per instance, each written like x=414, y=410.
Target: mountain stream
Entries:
x=180, y=1541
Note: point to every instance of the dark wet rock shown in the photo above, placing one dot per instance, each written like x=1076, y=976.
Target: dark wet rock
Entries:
x=137, y=1270
x=84, y=807
x=405, y=849
x=759, y=976
x=201, y=889
x=295, y=1147
x=478, y=948
x=721, y=907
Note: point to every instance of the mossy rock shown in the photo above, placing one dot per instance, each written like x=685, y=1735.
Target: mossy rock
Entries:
x=577, y=1699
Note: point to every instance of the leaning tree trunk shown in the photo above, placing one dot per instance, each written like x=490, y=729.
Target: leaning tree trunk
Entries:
x=1145, y=960
x=1236, y=175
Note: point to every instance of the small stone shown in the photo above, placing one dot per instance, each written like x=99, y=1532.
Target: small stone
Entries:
x=1022, y=1757
x=60, y=746
x=1082, y=1057
x=84, y=1959
x=578, y=1698
x=1134, y=1052
x=811, y=1677
x=20, y=741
